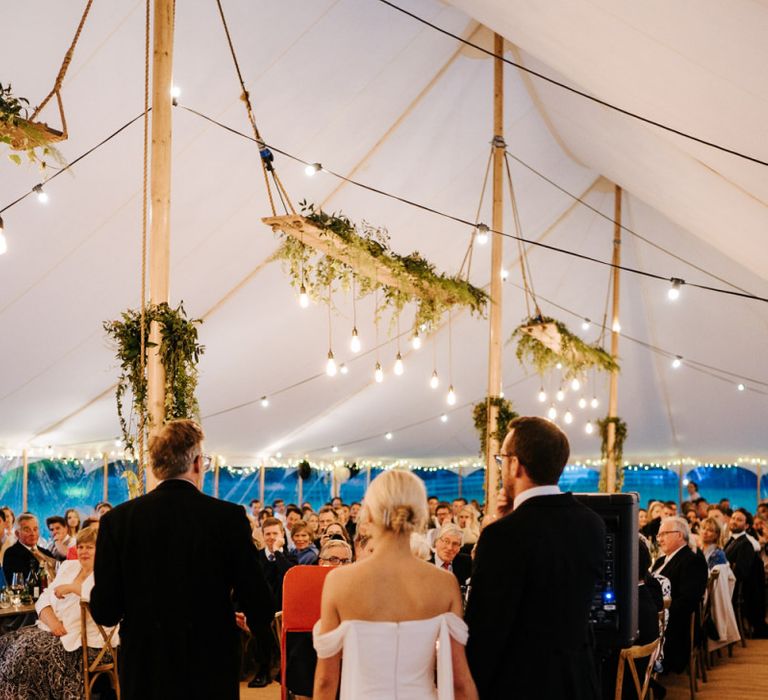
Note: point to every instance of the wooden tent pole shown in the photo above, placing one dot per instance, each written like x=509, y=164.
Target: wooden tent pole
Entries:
x=215, y=478
x=680, y=486
x=24, y=481
x=759, y=469
x=160, y=197
x=367, y=477
x=613, y=398
x=261, y=485
x=105, y=467
x=497, y=254
x=300, y=494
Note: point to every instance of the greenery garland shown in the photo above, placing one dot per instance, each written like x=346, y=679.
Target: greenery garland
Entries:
x=575, y=356
x=304, y=469
x=618, y=450
x=21, y=134
x=317, y=272
x=179, y=353
x=504, y=417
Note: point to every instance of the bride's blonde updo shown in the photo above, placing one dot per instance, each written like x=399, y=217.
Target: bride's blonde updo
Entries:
x=396, y=501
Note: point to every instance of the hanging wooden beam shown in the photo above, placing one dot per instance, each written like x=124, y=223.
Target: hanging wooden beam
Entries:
x=368, y=266
x=105, y=470
x=495, y=341
x=613, y=397
x=160, y=197
x=24, y=481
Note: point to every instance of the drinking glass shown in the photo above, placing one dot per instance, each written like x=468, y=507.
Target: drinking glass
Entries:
x=5, y=599
x=17, y=586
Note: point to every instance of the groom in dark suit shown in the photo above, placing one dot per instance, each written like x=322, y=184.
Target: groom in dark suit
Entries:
x=536, y=566
x=167, y=566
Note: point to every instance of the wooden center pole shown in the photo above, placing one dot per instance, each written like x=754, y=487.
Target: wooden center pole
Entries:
x=216, y=468
x=24, y=481
x=261, y=484
x=613, y=397
x=160, y=198
x=105, y=468
x=497, y=254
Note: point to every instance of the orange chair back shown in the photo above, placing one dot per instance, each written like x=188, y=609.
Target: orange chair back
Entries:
x=302, y=592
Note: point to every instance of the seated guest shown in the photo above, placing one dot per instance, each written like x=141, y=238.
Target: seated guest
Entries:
x=60, y=540
x=456, y=507
x=642, y=518
x=335, y=531
x=420, y=547
x=325, y=517
x=470, y=527
x=5, y=540
x=45, y=660
x=335, y=553
x=72, y=516
x=313, y=523
x=25, y=555
x=443, y=515
x=303, y=550
x=292, y=516
x=351, y=525
x=711, y=540
x=687, y=573
x=101, y=509
x=447, y=555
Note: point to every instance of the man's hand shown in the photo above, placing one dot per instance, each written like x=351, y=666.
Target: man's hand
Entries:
x=57, y=629
x=503, y=506
x=241, y=622
x=279, y=543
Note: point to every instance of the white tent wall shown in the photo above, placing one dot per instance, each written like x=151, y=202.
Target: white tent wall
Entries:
x=372, y=93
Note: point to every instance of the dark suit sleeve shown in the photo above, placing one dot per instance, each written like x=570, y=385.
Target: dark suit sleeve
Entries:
x=743, y=556
x=494, y=603
x=107, y=603
x=250, y=587
x=690, y=587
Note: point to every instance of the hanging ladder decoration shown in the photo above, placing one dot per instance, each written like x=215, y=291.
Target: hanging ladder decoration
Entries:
x=22, y=132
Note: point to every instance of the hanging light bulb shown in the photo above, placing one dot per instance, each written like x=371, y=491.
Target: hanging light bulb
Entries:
x=444, y=418
x=741, y=387
x=451, y=397
x=594, y=402
x=673, y=293
x=303, y=297
x=42, y=196
x=589, y=428
x=552, y=412
x=434, y=380
x=616, y=327
x=677, y=362
x=378, y=373
x=585, y=324
x=312, y=168
x=560, y=395
x=582, y=402
x=575, y=384
x=3, y=242
x=542, y=395
x=481, y=236
x=504, y=274
x=354, y=344
x=330, y=366
x=416, y=341
x=264, y=402
x=175, y=92
x=388, y=436
x=399, y=366
x=343, y=368
x=568, y=417
x=559, y=365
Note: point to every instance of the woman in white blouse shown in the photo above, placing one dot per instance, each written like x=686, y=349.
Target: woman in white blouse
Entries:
x=44, y=661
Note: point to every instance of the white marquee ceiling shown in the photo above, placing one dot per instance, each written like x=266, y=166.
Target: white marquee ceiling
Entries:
x=374, y=94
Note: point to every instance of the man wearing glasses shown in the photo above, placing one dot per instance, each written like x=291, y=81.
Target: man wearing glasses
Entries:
x=447, y=554
x=536, y=566
x=687, y=573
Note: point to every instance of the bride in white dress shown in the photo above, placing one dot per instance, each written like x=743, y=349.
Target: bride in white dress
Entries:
x=394, y=619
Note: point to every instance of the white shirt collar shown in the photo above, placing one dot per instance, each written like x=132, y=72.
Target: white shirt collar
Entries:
x=439, y=563
x=549, y=490
x=668, y=558
x=736, y=535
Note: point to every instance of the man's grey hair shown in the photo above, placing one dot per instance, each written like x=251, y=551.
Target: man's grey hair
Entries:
x=681, y=525
x=450, y=529
x=334, y=544
x=23, y=517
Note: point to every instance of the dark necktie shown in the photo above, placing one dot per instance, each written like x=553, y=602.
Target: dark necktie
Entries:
x=446, y=566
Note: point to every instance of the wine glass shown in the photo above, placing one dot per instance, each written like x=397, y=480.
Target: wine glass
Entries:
x=17, y=586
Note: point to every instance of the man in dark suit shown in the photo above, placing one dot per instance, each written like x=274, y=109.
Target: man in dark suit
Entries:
x=447, y=554
x=534, y=576
x=687, y=573
x=167, y=565
x=26, y=555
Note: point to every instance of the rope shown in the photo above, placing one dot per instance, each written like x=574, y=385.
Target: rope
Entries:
x=142, y=328
x=265, y=155
x=468, y=255
x=63, y=71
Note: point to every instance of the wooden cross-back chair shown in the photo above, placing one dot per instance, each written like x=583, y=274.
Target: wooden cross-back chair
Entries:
x=105, y=661
x=627, y=658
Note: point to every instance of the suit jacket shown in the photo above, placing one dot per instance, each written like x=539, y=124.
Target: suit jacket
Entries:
x=687, y=573
x=274, y=572
x=534, y=577
x=741, y=555
x=166, y=566
x=461, y=567
x=18, y=559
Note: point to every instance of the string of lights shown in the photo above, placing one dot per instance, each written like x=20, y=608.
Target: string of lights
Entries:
x=675, y=282
x=573, y=90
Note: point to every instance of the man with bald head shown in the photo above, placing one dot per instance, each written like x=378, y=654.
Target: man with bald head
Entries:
x=536, y=567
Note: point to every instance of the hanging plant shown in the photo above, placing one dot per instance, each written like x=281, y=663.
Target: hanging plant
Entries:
x=321, y=249
x=22, y=134
x=620, y=435
x=304, y=470
x=506, y=414
x=179, y=354
x=544, y=342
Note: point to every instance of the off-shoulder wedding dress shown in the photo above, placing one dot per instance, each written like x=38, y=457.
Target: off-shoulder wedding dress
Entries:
x=394, y=660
